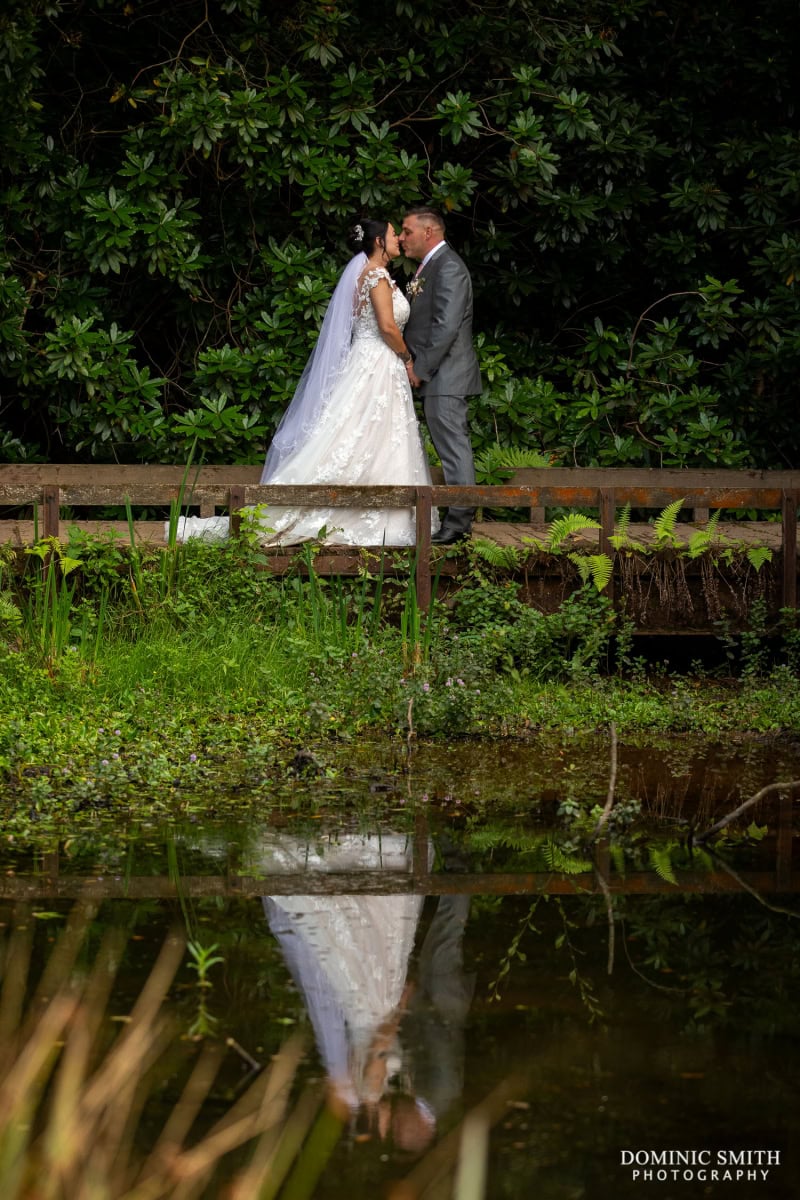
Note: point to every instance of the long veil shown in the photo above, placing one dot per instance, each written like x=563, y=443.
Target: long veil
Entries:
x=320, y=372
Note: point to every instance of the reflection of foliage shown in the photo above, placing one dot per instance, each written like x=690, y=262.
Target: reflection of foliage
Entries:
x=729, y=961
x=720, y=957
x=533, y=850
x=563, y=941
x=705, y=959
x=513, y=952
x=661, y=862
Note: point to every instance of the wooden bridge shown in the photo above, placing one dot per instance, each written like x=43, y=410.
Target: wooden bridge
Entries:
x=33, y=497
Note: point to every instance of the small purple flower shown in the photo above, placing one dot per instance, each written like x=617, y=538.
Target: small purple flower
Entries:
x=460, y=682
x=104, y=762
x=426, y=687
x=101, y=729
x=117, y=733
x=448, y=683
x=192, y=758
x=424, y=797
x=115, y=755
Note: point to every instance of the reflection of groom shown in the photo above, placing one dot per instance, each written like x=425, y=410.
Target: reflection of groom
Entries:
x=444, y=366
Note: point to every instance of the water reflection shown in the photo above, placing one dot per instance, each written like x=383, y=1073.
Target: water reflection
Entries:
x=389, y=1033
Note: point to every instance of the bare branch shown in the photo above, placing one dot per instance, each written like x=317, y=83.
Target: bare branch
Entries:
x=737, y=812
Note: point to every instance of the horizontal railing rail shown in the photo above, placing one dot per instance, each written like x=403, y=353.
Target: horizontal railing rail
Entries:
x=49, y=487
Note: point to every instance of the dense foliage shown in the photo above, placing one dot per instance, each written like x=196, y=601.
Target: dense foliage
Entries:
x=176, y=180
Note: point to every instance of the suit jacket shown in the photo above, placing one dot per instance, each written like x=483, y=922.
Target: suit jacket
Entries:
x=439, y=330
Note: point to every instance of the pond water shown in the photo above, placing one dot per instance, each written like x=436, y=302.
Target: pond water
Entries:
x=612, y=1019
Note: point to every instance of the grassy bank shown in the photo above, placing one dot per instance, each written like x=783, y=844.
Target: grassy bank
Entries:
x=167, y=676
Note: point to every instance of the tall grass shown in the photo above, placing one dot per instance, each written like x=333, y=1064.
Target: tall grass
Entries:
x=47, y=609
x=340, y=610
x=241, y=653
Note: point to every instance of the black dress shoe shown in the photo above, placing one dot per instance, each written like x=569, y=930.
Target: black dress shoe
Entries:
x=447, y=537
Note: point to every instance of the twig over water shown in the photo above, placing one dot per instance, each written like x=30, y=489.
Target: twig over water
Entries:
x=612, y=783
x=737, y=812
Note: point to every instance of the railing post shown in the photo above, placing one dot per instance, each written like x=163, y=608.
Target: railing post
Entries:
x=51, y=494
x=783, y=845
x=235, y=502
x=422, y=836
x=789, y=546
x=608, y=512
x=423, y=579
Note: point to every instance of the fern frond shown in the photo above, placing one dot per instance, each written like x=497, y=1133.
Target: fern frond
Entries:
x=506, y=558
x=661, y=862
x=597, y=567
x=702, y=539
x=505, y=839
x=498, y=463
x=9, y=613
x=558, y=860
x=758, y=555
x=713, y=521
x=664, y=524
x=562, y=527
x=618, y=858
x=699, y=542
x=619, y=538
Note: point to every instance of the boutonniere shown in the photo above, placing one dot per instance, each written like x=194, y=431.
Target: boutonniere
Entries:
x=415, y=287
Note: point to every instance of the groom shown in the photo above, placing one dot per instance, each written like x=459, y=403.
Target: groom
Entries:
x=443, y=365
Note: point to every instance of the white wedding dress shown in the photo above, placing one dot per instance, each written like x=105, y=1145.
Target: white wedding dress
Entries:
x=367, y=433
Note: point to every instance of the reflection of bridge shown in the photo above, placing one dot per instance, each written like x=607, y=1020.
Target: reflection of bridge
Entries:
x=49, y=883
x=383, y=883
x=38, y=492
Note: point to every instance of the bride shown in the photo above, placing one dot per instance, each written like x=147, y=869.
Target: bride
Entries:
x=352, y=419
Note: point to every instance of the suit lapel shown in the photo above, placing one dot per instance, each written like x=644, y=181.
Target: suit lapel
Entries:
x=424, y=277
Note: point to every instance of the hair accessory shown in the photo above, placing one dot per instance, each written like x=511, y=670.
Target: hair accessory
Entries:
x=359, y=232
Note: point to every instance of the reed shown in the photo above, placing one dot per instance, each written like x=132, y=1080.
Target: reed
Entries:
x=47, y=606
x=74, y=1097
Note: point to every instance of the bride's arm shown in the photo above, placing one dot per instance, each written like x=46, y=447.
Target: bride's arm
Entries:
x=381, y=297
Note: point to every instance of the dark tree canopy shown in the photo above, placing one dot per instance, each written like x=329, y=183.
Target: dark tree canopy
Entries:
x=177, y=179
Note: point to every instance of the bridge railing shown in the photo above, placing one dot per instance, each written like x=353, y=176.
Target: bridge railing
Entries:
x=46, y=488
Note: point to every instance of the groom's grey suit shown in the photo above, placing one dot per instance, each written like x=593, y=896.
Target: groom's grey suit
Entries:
x=439, y=336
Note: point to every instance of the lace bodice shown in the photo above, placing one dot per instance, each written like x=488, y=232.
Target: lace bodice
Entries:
x=366, y=325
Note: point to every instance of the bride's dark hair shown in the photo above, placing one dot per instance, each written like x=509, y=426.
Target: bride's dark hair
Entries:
x=365, y=234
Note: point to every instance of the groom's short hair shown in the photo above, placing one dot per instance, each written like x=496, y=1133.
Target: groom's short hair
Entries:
x=425, y=213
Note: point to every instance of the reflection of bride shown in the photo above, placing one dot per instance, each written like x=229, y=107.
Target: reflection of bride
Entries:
x=352, y=419
x=349, y=956
x=393, y=1052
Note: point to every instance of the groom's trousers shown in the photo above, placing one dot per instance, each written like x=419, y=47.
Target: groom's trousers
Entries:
x=446, y=418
